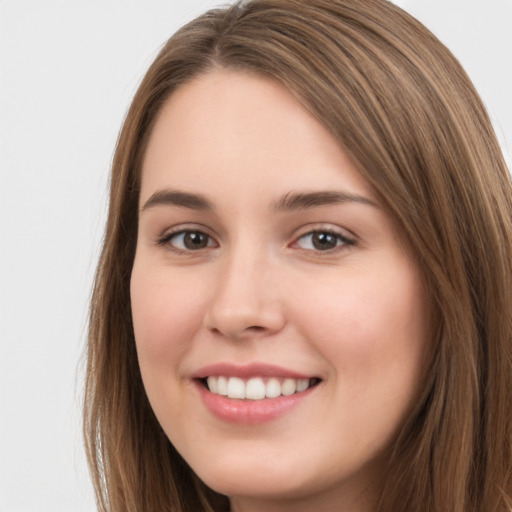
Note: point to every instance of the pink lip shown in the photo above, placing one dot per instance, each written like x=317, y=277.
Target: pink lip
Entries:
x=247, y=371
x=248, y=412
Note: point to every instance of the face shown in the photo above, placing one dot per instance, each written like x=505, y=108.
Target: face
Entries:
x=279, y=316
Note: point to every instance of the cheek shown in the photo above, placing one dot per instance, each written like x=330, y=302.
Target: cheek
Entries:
x=166, y=314
x=373, y=328
x=373, y=335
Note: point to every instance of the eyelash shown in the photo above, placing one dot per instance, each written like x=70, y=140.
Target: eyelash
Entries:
x=341, y=241
x=165, y=241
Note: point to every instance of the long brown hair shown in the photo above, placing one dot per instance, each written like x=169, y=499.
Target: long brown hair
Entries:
x=403, y=108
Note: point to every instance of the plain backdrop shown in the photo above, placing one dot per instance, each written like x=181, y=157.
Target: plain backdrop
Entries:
x=68, y=70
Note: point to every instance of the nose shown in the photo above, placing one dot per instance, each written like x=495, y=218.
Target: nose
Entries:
x=245, y=302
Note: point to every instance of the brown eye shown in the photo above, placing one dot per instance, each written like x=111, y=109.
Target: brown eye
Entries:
x=323, y=241
x=189, y=240
x=194, y=240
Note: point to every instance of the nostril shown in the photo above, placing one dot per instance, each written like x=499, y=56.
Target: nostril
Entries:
x=252, y=329
x=245, y=320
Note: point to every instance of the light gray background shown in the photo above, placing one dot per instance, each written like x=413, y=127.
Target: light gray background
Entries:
x=68, y=70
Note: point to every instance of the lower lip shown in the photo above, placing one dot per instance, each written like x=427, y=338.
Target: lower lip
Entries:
x=249, y=412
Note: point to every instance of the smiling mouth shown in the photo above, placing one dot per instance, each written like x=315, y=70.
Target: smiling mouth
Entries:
x=256, y=388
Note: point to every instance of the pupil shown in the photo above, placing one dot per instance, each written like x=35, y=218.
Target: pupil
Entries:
x=323, y=241
x=195, y=240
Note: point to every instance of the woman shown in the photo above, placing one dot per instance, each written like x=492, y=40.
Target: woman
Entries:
x=303, y=300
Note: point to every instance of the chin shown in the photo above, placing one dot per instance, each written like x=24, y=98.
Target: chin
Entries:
x=266, y=478
x=256, y=486
x=274, y=479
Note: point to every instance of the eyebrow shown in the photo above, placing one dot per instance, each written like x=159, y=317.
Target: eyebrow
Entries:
x=302, y=201
x=178, y=198
x=288, y=203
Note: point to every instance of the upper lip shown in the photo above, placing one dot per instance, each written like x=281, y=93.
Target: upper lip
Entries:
x=247, y=371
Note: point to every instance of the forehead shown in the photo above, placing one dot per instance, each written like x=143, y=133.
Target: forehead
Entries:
x=229, y=128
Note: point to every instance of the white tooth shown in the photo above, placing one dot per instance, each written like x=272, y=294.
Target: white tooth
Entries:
x=289, y=387
x=222, y=386
x=302, y=385
x=236, y=388
x=212, y=384
x=273, y=388
x=255, y=389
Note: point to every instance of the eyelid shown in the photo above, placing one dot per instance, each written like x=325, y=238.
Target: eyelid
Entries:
x=165, y=239
x=347, y=238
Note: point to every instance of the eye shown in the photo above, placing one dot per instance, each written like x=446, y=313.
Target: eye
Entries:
x=323, y=240
x=187, y=240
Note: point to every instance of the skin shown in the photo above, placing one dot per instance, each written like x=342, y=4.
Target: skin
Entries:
x=260, y=290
